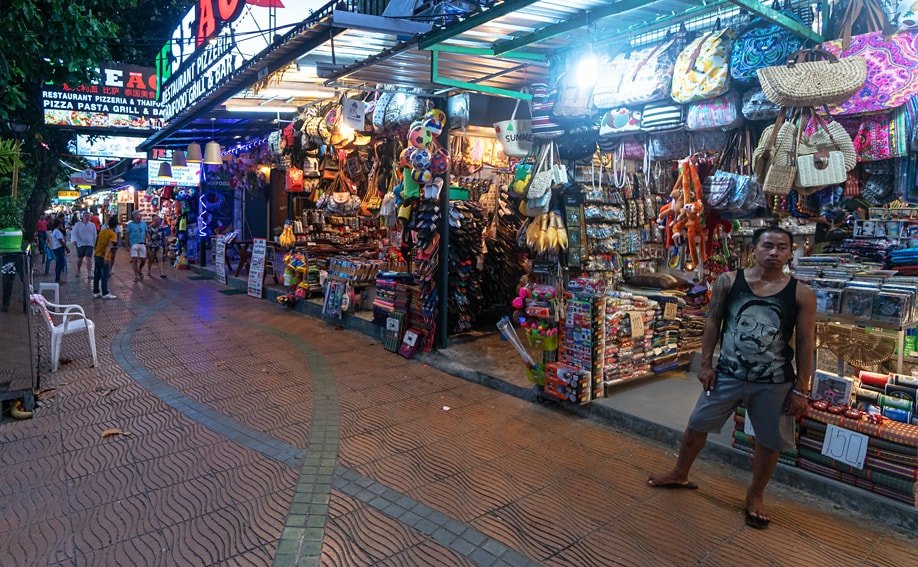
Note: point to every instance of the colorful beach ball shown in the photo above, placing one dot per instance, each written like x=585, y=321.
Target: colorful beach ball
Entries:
x=420, y=137
x=420, y=159
x=421, y=175
x=404, y=159
x=436, y=128
x=438, y=116
x=439, y=163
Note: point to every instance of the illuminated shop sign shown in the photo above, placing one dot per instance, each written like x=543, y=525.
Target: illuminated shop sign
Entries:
x=215, y=39
x=124, y=98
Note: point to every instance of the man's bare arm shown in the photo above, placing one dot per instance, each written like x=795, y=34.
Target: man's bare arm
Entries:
x=806, y=337
x=715, y=318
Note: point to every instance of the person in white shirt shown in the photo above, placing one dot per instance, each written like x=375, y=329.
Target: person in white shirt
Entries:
x=83, y=236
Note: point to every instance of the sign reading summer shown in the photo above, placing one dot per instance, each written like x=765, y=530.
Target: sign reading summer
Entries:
x=215, y=39
x=123, y=98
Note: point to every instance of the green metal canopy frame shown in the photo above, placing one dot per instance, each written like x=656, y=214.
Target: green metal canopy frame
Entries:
x=435, y=42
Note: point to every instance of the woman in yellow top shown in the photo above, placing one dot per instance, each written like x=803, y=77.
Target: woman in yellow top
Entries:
x=103, y=258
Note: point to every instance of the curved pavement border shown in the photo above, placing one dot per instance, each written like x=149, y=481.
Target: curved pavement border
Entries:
x=304, y=527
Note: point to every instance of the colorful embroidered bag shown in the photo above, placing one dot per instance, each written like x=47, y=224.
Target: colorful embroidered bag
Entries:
x=763, y=46
x=722, y=113
x=701, y=70
x=892, y=61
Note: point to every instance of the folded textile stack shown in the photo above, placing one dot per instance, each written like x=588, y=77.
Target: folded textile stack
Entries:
x=890, y=467
x=693, y=317
x=904, y=258
x=878, y=251
x=629, y=330
x=746, y=442
x=466, y=223
x=667, y=327
x=386, y=290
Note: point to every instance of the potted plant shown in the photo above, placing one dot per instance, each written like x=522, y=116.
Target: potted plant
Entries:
x=11, y=209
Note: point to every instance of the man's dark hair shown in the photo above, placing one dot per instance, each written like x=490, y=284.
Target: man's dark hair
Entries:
x=774, y=229
x=112, y=221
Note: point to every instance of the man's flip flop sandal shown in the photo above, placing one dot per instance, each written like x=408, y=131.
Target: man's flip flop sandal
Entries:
x=754, y=521
x=674, y=485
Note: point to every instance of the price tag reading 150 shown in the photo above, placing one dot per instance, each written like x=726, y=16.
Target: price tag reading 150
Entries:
x=846, y=446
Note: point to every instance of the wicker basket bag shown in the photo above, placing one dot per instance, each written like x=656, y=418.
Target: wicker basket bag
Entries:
x=813, y=77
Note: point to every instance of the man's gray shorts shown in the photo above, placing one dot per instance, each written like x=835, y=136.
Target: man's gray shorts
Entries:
x=764, y=403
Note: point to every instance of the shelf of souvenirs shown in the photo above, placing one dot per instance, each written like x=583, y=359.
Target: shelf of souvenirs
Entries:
x=864, y=322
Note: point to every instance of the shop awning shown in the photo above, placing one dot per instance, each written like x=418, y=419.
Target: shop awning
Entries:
x=502, y=48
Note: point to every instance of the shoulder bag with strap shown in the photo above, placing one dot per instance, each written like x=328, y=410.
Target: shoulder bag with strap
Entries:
x=701, y=71
x=891, y=57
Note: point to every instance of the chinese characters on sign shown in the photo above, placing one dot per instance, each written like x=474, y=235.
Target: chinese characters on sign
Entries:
x=124, y=98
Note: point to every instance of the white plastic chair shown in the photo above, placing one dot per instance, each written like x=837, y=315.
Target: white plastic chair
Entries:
x=73, y=320
x=54, y=288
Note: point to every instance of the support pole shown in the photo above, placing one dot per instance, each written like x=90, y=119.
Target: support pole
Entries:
x=443, y=275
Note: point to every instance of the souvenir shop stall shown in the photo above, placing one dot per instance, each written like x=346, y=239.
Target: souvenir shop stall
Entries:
x=652, y=165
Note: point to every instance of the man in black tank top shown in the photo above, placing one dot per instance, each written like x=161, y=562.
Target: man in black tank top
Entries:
x=754, y=314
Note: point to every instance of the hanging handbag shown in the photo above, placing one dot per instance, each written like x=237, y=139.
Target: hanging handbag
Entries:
x=756, y=106
x=668, y=146
x=781, y=149
x=820, y=134
x=544, y=126
x=701, y=70
x=515, y=134
x=606, y=89
x=813, y=77
x=650, y=77
x=293, y=180
x=721, y=113
x=779, y=167
x=620, y=122
x=538, y=195
x=330, y=164
x=574, y=100
x=631, y=148
x=311, y=167
x=731, y=189
x=822, y=164
x=662, y=117
x=763, y=45
x=891, y=59
x=708, y=140
x=578, y=142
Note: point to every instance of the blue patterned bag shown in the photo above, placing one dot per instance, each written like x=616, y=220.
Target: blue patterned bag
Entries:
x=761, y=46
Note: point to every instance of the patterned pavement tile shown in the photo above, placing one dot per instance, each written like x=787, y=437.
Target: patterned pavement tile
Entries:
x=396, y=463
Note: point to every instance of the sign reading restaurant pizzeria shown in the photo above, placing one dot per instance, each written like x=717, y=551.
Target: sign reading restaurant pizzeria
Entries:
x=123, y=98
x=215, y=39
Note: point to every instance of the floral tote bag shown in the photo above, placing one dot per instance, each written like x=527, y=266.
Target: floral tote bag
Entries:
x=702, y=69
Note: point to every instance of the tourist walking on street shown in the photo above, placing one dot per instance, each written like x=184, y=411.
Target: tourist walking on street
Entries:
x=137, y=239
x=83, y=236
x=754, y=314
x=156, y=238
x=102, y=258
x=59, y=249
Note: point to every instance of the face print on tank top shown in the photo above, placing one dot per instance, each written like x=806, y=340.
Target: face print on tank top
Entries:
x=754, y=347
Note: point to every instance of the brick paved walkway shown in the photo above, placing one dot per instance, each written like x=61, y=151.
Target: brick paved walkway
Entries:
x=260, y=437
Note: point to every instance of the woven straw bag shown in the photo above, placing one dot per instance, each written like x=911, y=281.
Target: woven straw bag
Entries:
x=813, y=77
x=825, y=157
x=776, y=165
x=781, y=150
